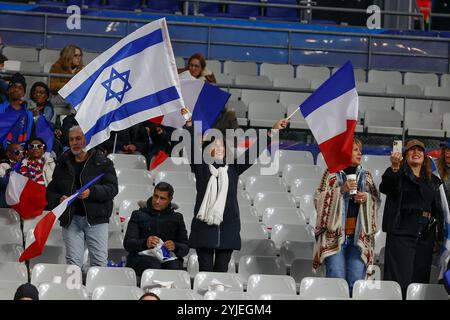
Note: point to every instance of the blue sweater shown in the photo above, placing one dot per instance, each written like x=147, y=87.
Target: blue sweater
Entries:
x=21, y=132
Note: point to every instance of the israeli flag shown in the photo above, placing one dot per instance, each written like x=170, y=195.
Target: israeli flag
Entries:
x=134, y=80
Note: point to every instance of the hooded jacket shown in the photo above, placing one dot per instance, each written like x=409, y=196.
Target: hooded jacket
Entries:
x=99, y=204
x=166, y=225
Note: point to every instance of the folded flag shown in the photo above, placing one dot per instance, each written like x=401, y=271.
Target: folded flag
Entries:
x=25, y=196
x=332, y=113
x=135, y=79
x=44, y=226
x=7, y=122
x=204, y=100
x=44, y=131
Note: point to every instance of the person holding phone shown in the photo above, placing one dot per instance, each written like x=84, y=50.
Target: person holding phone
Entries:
x=347, y=202
x=413, y=217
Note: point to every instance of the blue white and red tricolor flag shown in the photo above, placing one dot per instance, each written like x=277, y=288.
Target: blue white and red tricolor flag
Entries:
x=332, y=114
x=44, y=226
x=445, y=250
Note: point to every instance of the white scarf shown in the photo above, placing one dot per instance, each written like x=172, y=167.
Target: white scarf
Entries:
x=213, y=204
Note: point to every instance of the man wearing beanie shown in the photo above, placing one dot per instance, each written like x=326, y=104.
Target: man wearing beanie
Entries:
x=21, y=130
x=26, y=292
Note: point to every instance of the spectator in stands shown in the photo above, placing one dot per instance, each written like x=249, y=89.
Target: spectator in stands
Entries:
x=443, y=164
x=70, y=62
x=346, y=221
x=86, y=220
x=21, y=131
x=216, y=225
x=68, y=122
x=156, y=221
x=196, y=69
x=38, y=165
x=3, y=82
x=40, y=94
x=159, y=139
x=133, y=140
x=26, y=291
x=14, y=154
x=149, y=296
x=413, y=217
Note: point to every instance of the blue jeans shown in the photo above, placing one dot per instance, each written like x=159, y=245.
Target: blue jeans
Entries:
x=96, y=238
x=346, y=264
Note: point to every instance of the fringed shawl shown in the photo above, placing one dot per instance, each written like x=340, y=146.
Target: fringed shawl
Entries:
x=331, y=208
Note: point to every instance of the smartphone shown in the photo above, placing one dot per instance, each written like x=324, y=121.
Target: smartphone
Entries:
x=397, y=146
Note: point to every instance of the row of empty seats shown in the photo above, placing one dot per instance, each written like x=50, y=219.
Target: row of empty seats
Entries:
x=64, y=282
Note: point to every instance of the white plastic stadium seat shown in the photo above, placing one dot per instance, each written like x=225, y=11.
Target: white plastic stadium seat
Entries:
x=422, y=291
x=424, y=125
x=253, y=230
x=246, y=80
x=376, y=290
x=10, y=235
x=273, y=216
x=128, y=161
x=10, y=252
x=375, y=162
x=259, y=284
x=279, y=296
x=312, y=288
x=363, y=87
x=248, y=96
x=224, y=78
x=255, y=184
x=13, y=271
x=386, y=77
x=241, y=109
x=301, y=187
x=179, y=61
x=179, y=179
x=255, y=247
x=134, y=176
x=264, y=200
x=291, y=250
x=99, y=276
x=421, y=79
x=117, y=293
x=297, y=98
x=9, y=218
x=180, y=279
x=292, y=172
x=21, y=54
x=375, y=103
x=413, y=105
x=60, y=291
x=404, y=89
x=284, y=232
x=48, y=56
x=206, y=281
x=272, y=70
x=234, y=68
x=309, y=72
x=214, y=65
x=294, y=83
x=224, y=295
x=132, y=191
x=383, y=122
x=46, y=272
x=176, y=294
x=294, y=157
x=249, y=265
x=306, y=203
x=263, y=114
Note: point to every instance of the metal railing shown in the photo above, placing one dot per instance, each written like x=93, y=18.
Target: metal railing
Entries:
x=369, y=39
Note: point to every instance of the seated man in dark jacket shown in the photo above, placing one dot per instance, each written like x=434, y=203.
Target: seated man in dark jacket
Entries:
x=147, y=226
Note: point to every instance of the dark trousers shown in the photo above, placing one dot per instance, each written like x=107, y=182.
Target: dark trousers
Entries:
x=408, y=259
x=213, y=260
x=147, y=262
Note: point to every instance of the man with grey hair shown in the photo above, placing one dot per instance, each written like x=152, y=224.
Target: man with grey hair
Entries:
x=86, y=220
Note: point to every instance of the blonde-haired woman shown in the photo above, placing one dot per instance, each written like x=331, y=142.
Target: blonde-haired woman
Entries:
x=70, y=62
x=346, y=221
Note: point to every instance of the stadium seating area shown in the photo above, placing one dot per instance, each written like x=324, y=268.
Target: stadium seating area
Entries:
x=274, y=262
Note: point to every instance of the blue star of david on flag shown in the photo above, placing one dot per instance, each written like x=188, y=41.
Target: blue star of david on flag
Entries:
x=110, y=93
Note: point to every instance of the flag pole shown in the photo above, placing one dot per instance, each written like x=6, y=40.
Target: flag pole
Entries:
x=115, y=142
x=296, y=109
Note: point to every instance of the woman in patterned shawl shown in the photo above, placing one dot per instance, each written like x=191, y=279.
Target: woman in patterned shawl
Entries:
x=346, y=221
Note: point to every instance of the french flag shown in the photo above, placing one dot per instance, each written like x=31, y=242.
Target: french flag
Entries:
x=332, y=114
x=204, y=100
x=25, y=196
x=45, y=225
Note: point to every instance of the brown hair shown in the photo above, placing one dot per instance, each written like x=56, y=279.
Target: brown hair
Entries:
x=66, y=56
x=442, y=165
x=358, y=143
x=200, y=58
x=426, y=165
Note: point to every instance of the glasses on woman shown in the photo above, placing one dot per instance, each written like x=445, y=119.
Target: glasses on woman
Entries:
x=36, y=146
x=195, y=65
x=18, y=152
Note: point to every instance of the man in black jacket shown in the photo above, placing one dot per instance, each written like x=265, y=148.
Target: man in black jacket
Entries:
x=86, y=220
x=147, y=226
